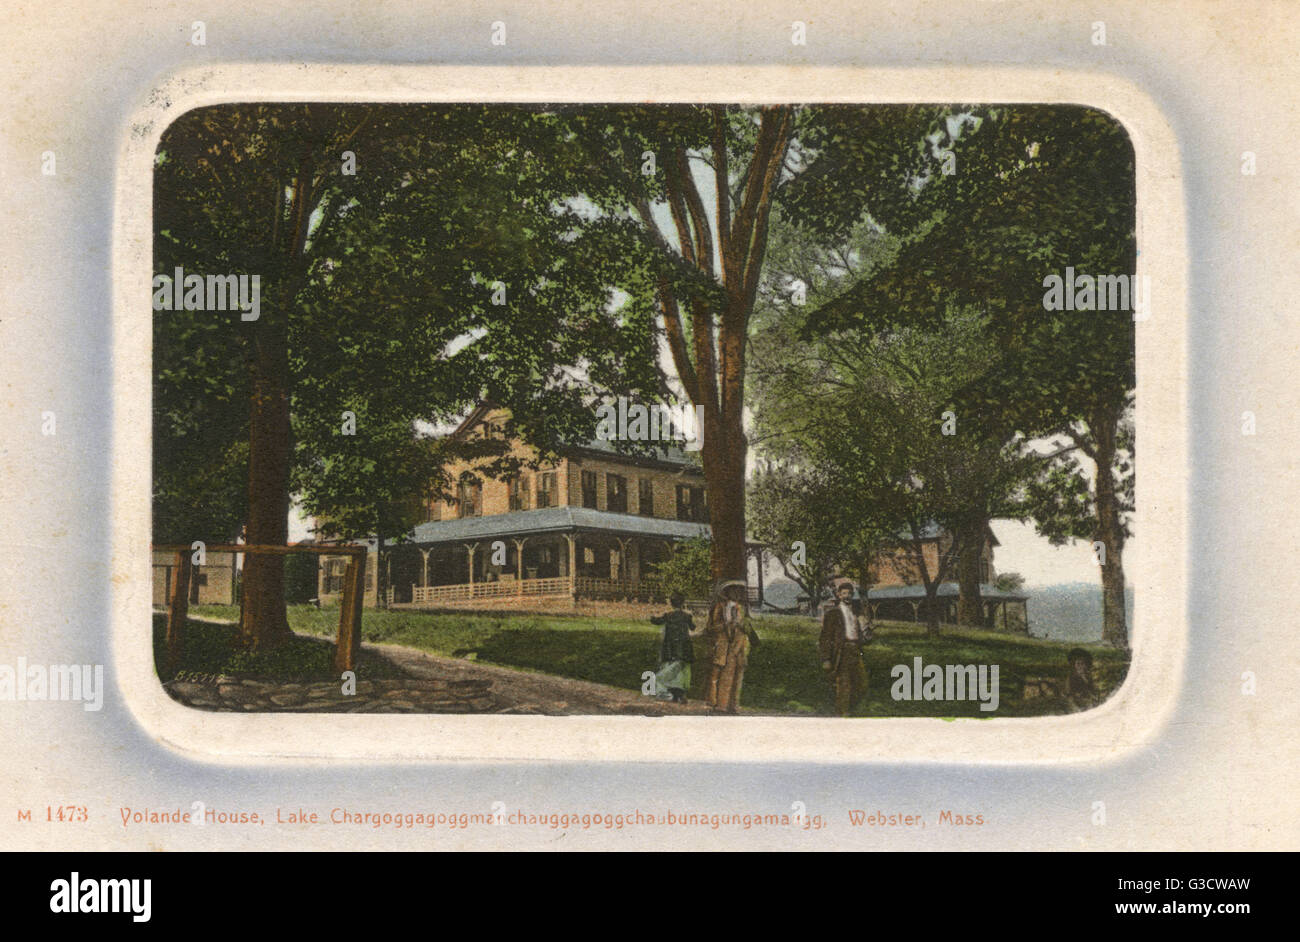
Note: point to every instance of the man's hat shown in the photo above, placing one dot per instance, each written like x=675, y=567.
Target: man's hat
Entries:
x=726, y=584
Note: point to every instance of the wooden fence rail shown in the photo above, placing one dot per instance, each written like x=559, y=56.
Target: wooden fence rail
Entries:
x=347, y=648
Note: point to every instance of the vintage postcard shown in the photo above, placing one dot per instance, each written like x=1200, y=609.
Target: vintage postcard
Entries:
x=809, y=430
x=700, y=409
x=787, y=411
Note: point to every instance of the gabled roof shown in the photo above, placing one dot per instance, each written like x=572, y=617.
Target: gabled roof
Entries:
x=666, y=452
x=932, y=531
x=663, y=452
x=520, y=523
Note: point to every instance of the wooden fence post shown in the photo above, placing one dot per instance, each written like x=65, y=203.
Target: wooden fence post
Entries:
x=178, y=607
x=348, y=647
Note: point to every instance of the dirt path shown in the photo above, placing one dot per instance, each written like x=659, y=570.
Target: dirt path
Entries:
x=527, y=692
x=429, y=683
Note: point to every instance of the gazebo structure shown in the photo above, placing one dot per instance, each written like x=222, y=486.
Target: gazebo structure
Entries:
x=907, y=603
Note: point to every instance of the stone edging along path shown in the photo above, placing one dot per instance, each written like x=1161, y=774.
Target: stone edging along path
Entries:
x=432, y=685
x=405, y=695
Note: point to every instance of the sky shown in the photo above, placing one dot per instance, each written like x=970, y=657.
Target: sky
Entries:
x=1041, y=563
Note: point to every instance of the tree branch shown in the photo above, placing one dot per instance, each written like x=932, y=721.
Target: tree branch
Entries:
x=673, y=326
x=722, y=187
x=699, y=219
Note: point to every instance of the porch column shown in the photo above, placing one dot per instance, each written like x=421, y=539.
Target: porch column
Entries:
x=519, y=563
x=760, y=577
x=622, y=558
x=1004, y=615
x=573, y=564
x=470, y=548
x=424, y=582
x=916, y=606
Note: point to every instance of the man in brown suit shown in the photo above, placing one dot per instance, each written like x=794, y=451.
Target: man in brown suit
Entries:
x=728, y=647
x=845, y=628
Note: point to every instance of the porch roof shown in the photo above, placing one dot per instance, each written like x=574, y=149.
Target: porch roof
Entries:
x=947, y=590
x=520, y=523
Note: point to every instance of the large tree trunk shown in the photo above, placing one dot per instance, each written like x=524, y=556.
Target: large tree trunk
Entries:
x=1114, y=624
x=714, y=376
x=970, y=537
x=262, y=622
x=724, y=473
x=1110, y=534
x=931, y=606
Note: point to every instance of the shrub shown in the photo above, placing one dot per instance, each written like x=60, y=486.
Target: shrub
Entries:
x=688, y=569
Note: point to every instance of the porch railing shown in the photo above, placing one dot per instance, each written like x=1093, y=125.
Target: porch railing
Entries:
x=587, y=587
x=556, y=586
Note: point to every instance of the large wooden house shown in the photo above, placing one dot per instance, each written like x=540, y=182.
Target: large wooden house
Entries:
x=592, y=524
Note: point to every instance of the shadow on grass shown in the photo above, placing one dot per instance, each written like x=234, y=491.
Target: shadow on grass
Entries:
x=209, y=649
x=784, y=673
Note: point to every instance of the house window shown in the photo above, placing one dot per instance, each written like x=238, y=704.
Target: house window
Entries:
x=470, y=499
x=334, y=570
x=518, y=487
x=616, y=493
x=645, y=501
x=691, y=505
x=986, y=574
x=546, y=489
x=589, y=489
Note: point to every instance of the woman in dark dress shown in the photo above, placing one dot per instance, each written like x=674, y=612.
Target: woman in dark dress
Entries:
x=673, y=678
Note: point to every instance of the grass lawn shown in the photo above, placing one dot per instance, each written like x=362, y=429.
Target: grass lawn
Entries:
x=209, y=649
x=784, y=673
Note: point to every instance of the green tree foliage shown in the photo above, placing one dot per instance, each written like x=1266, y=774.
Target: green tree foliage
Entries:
x=696, y=188
x=687, y=569
x=1003, y=198
x=868, y=413
x=448, y=268
x=1009, y=582
x=882, y=409
x=796, y=513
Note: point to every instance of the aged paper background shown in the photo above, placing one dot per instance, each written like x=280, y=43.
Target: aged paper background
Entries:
x=1180, y=759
